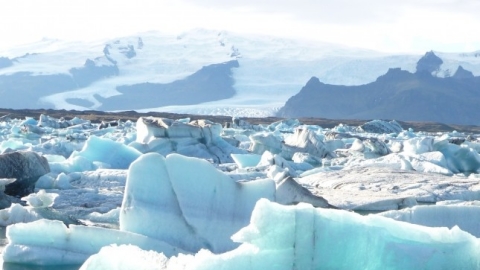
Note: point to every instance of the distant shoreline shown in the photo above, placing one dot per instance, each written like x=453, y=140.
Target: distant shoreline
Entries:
x=99, y=116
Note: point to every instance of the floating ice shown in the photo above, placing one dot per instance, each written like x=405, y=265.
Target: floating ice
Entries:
x=459, y=159
x=198, y=207
x=306, y=141
x=199, y=138
x=125, y=257
x=50, y=242
x=466, y=217
x=17, y=213
x=98, y=153
x=192, y=204
x=246, y=160
x=41, y=199
x=380, y=126
x=302, y=237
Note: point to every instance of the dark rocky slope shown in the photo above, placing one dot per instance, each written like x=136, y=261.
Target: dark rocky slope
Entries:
x=398, y=95
x=213, y=82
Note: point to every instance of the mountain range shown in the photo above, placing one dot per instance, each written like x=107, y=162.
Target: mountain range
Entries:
x=398, y=94
x=207, y=72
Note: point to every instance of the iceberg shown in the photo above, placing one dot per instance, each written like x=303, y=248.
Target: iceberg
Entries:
x=192, y=187
x=466, y=217
x=194, y=208
x=302, y=237
x=98, y=153
x=200, y=138
x=50, y=242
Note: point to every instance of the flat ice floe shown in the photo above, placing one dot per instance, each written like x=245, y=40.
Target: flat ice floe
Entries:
x=380, y=188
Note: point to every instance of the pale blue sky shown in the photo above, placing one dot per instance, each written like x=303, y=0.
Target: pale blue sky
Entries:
x=384, y=25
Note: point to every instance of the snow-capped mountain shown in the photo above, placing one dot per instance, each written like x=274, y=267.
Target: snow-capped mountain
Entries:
x=263, y=72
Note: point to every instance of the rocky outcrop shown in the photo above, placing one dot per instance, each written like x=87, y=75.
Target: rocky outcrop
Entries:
x=462, y=73
x=24, y=89
x=429, y=63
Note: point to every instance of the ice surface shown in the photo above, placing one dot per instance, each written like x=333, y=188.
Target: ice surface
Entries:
x=302, y=237
x=459, y=158
x=116, y=155
x=379, y=188
x=41, y=199
x=466, y=217
x=199, y=138
x=98, y=153
x=196, y=208
x=305, y=141
x=246, y=160
x=50, y=242
x=196, y=204
x=125, y=257
x=17, y=213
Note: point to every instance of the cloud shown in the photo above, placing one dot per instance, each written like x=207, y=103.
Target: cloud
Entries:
x=345, y=11
x=393, y=26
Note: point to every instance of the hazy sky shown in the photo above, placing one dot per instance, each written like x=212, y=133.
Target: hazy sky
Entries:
x=385, y=25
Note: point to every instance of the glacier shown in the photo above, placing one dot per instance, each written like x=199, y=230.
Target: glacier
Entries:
x=185, y=194
x=270, y=69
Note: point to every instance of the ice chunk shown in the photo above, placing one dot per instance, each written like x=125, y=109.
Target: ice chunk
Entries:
x=467, y=217
x=302, y=237
x=290, y=192
x=306, y=158
x=41, y=199
x=459, y=159
x=246, y=160
x=306, y=141
x=125, y=257
x=287, y=125
x=48, y=182
x=198, y=207
x=357, y=145
x=380, y=126
x=16, y=214
x=110, y=217
x=418, y=145
x=50, y=242
x=264, y=141
x=117, y=155
x=95, y=152
x=200, y=138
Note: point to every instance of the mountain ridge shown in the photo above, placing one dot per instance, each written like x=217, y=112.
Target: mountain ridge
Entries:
x=84, y=75
x=398, y=94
